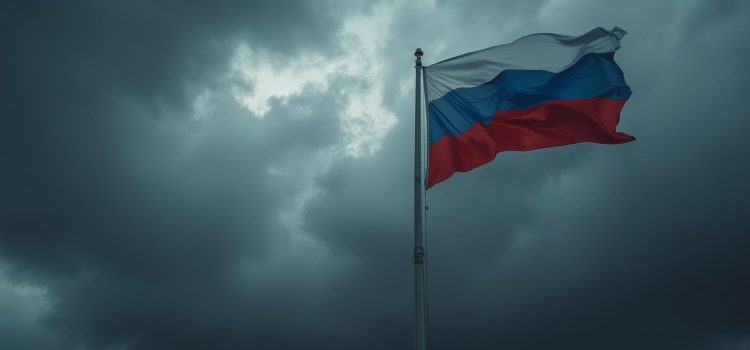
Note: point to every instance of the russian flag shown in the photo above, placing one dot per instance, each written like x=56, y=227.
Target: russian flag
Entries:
x=542, y=90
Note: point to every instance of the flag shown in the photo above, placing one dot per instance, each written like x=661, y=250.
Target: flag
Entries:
x=542, y=90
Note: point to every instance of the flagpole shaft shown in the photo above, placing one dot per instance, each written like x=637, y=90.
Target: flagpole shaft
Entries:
x=420, y=275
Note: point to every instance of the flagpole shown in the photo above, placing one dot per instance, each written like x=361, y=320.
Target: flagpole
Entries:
x=420, y=275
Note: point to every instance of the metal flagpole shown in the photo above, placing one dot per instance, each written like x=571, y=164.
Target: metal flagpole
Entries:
x=420, y=276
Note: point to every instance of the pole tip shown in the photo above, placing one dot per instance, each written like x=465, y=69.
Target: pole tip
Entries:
x=418, y=53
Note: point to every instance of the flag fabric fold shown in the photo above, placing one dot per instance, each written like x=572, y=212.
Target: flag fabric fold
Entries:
x=542, y=90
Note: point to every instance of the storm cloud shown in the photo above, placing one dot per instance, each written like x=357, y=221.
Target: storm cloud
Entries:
x=237, y=175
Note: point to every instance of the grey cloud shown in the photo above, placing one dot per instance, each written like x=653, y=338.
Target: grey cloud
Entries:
x=150, y=230
x=129, y=214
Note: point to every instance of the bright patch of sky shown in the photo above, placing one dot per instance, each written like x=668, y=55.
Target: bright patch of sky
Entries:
x=22, y=302
x=258, y=80
x=364, y=119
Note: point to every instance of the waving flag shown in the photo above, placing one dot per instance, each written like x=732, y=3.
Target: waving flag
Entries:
x=542, y=90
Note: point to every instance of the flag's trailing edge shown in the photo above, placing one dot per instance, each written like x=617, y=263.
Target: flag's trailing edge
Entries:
x=541, y=90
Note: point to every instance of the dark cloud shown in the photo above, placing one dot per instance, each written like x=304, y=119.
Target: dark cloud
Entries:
x=153, y=52
x=129, y=222
x=126, y=212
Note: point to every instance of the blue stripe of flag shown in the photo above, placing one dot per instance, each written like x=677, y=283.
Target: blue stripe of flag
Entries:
x=594, y=75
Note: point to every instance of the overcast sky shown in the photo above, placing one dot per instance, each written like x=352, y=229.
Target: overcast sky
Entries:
x=238, y=175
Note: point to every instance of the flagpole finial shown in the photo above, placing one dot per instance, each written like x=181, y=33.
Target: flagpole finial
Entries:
x=419, y=54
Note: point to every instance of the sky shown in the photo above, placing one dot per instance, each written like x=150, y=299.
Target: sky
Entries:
x=238, y=175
